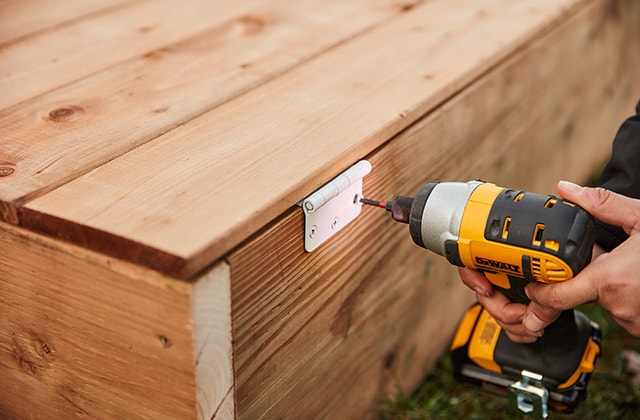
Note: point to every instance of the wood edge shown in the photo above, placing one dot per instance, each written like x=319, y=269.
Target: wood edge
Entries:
x=120, y=266
x=103, y=242
x=227, y=408
x=211, y=306
x=9, y=212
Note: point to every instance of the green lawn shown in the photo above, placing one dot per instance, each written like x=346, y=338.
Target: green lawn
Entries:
x=611, y=394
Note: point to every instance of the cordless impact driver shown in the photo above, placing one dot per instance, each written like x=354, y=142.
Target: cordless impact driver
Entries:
x=513, y=237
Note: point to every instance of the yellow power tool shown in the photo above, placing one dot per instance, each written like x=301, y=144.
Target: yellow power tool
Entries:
x=513, y=237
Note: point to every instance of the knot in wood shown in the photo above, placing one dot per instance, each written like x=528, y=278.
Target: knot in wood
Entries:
x=166, y=343
x=6, y=171
x=252, y=24
x=61, y=114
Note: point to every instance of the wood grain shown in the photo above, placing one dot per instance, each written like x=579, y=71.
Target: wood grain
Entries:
x=324, y=335
x=209, y=184
x=332, y=332
x=86, y=336
x=49, y=60
x=20, y=18
x=59, y=136
x=211, y=303
x=517, y=93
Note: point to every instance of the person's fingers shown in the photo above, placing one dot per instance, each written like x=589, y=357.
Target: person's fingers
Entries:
x=521, y=338
x=508, y=315
x=605, y=205
x=570, y=293
x=537, y=317
x=632, y=327
x=548, y=300
x=518, y=333
x=597, y=251
x=476, y=281
x=502, y=309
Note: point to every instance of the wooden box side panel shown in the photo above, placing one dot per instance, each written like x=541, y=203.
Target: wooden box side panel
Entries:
x=324, y=335
x=331, y=332
x=82, y=335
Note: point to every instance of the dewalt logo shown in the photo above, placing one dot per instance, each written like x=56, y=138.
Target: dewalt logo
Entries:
x=498, y=265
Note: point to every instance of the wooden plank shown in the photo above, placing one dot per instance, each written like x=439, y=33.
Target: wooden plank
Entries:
x=49, y=60
x=331, y=332
x=325, y=335
x=252, y=158
x=99, y=118
x=83, y=335
x=19, y=18
x=211, y=302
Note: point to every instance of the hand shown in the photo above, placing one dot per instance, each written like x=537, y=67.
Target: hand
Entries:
x=612, y=279
x=507, y=314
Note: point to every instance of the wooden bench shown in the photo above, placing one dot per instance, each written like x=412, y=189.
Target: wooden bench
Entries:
x=152, y=154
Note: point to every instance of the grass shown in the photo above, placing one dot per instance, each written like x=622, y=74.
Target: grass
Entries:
x=611, y=394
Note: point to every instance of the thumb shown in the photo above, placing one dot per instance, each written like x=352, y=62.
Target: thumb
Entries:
x=548, y=300
x=605, y=205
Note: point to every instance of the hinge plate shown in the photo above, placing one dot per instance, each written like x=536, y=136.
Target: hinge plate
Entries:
x=333, y=206
x=529, y=395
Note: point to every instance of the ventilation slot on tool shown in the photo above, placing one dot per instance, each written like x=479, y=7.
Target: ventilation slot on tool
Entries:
x=554, y=272
x=551, y=244
x=547, y=270
x=536, y=268
x=505, y=229
x=537, y=234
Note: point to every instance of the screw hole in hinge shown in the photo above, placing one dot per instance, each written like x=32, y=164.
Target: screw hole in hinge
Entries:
x=334, y=205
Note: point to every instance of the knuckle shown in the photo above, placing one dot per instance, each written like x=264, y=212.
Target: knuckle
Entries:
x=498, y=316
x=636, y=227
x=609, y=288
x=634, y=330
x=600, y=197
x=553, y=299
x=624, y=314
x=632, y=326
x=505, y=319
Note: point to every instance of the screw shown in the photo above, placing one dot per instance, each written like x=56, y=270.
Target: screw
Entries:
x=334, y=224
x=313, y=231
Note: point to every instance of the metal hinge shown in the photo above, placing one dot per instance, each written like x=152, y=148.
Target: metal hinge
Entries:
x=333, y=205
x=529, y=395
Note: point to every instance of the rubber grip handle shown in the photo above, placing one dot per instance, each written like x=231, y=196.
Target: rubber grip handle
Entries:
x=510, y=286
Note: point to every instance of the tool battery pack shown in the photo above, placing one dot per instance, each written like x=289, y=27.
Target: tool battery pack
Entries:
x=551, y=374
